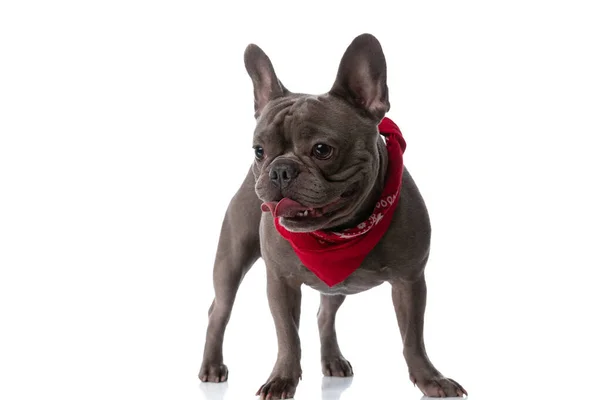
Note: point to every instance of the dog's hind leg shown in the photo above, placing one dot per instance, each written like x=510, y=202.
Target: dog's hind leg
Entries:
x=332, y=361
x=237, y=251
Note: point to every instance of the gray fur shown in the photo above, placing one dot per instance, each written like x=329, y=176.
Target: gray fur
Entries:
x=288, y=125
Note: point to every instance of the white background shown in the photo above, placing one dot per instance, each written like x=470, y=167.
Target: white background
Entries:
x=125, y=128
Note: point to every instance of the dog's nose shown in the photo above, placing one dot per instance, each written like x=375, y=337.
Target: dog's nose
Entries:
x=283, y=173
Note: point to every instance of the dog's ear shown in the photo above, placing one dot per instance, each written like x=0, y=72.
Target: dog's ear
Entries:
x=362, y=77
x=266, y=85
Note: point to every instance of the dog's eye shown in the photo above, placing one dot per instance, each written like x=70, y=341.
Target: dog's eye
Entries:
x=322, y=151
x=259, y=152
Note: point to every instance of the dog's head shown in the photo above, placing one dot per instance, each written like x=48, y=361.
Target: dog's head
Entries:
x=317, y=158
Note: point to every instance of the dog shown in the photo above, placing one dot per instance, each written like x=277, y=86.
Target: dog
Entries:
x=326, y=203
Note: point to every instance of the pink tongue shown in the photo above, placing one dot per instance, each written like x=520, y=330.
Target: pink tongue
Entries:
x=285, y=208
x=270, y=206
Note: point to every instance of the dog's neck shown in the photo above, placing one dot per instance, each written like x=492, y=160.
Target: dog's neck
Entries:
x=366, y=209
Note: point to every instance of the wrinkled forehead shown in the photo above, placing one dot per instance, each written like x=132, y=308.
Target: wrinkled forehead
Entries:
x=305, y=116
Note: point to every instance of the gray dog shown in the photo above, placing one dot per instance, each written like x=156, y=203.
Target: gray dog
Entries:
x=321, y=169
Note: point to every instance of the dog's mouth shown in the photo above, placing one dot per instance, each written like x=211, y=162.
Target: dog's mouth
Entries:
x=295, y=212
x=291, y=209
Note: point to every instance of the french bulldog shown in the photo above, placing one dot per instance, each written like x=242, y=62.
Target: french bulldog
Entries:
x=321, y=165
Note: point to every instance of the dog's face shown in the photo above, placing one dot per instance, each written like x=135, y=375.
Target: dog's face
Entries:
x=316, y=156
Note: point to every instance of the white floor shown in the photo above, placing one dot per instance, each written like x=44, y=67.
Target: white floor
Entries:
x=367, y=384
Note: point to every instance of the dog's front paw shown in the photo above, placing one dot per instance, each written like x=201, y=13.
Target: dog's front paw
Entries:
x=278, y=388
x=213, y=372
x=439, y=386
x=336, y=366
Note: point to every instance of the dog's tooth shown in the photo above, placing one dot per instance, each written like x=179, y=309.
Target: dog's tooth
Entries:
x=305, y=213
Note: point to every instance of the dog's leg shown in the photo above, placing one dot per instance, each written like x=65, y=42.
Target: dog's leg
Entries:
x=332, y=361
x=237, y=251
x=284, y=302
x=409, y=298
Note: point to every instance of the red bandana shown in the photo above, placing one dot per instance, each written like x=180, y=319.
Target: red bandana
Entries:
x=333, y=256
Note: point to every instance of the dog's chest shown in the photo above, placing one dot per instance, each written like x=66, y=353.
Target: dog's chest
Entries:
x=370, y=274
x=360, y=280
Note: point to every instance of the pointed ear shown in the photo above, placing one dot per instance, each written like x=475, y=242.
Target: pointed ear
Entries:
x=266, y=85
x=362, y=77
